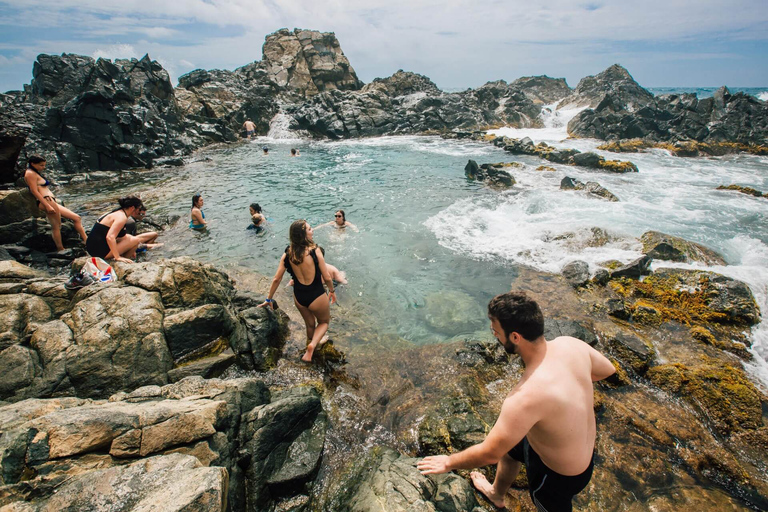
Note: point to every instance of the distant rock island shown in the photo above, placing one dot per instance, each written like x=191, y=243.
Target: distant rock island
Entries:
x=86, y=114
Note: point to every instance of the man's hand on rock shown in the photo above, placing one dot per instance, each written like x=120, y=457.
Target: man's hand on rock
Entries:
x=433, y=465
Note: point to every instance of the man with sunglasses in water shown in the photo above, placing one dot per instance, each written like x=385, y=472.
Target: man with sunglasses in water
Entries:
x=547, y=421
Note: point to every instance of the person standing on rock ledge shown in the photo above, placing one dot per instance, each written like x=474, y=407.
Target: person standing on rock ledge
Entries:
x=38, y=187
x=546, y=422
x=250, y=129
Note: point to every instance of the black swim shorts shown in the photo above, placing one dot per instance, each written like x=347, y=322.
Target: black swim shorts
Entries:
x=550, y=491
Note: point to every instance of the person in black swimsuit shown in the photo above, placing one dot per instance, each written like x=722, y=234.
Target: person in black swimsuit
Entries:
x=306, y=265
x=38, y=186
x=108, y=238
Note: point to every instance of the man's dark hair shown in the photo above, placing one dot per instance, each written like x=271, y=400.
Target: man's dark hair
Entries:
x=516, y=312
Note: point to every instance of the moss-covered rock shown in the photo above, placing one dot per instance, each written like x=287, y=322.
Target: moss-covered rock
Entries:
x=722, y=392
x=744, y=190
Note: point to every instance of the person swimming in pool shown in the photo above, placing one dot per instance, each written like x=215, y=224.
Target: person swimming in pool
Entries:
x=257, y=217
x=306, y=265
x=340, y=222
x=196, y=215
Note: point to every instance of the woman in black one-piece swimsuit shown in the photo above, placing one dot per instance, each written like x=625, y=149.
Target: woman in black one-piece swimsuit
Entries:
x=305, y=263
x=108, y=238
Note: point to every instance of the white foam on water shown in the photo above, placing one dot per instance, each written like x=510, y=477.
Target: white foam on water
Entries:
x=555, y=125
x=279, y=128
x=763, y=96
x=538, y=225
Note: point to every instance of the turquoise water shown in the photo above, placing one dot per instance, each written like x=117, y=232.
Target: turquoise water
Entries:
x=706, y=92
x=433, y=247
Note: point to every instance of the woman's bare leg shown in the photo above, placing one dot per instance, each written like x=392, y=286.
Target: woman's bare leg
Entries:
x=75, y=218
x=54, y=219
x=126, y=245
x=309, y=320
x=321, y=310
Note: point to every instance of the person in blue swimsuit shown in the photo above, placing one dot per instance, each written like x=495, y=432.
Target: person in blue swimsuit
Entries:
x=307, y=265
x=196, y=215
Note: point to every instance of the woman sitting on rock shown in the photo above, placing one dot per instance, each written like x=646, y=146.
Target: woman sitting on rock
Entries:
x=108, y=238
x=46, y=201
x=306, y=265
x=196, y=215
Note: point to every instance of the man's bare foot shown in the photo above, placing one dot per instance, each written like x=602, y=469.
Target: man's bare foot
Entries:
x=486, y=488
x=307, y=357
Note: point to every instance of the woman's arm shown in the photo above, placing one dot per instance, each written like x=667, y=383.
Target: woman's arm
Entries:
x=275, y=283
x=350, y=225
x=30, y=177
x=326, y=275
x=324, y=224
x=114, y=229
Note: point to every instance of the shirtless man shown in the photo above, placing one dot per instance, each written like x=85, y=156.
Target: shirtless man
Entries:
x=547, y=420
x=250, y=129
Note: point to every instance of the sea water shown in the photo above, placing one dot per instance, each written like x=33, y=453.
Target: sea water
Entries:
x=433, y=243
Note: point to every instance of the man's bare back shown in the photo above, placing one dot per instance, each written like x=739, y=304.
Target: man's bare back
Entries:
x=561, y=389
x=547, y=421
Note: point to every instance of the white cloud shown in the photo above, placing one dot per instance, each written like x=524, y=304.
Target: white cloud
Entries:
x=116, y=51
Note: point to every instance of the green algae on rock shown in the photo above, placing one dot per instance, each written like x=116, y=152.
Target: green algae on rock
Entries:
x=667, y=247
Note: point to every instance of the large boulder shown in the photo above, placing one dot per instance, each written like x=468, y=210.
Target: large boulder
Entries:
x=12, y=139
x=49, y=444
x=307, y=62
x=542, y=89
x=282, y=446
x=386, y=481
x=99, y=114
x=402, y=83
x=615, y=83
x=661, y=246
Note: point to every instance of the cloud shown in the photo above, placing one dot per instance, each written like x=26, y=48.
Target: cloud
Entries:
x=117, y=51
x=457, y=43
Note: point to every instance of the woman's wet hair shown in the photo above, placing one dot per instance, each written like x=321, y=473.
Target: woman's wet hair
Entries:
x=129, y=201
x=195, y=199
x=516, y=312
x=343, y=216
x=256, y=207
x=299, y=241
x=35, y=159
x=293, y=151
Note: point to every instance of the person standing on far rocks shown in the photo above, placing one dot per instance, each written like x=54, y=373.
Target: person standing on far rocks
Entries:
x=546, y=422
x=46, y=201
x=250, y=129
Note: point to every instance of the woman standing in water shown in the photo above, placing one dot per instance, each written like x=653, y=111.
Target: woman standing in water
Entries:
x=306, y=265
x=340, y=221
x=196, y=215
x=38, y=187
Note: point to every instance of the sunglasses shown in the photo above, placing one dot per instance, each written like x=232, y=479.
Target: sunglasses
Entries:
x=337, y=215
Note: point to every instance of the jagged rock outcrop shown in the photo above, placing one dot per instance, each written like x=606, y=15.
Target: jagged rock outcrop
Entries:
x=661, y=246
x=542, y=90
x=543, y=150
x=591, y=187
x=614, y=85
x=216, y=103
x=98, y=114
x=13, y=136
x=106, y=338
x=493, y=175
x=402, y=83
x=621, y=109
x=307, y=62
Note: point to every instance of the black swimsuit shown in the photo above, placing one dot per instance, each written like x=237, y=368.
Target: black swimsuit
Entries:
x=306, y=293
x=550, y=491
x=96, y=245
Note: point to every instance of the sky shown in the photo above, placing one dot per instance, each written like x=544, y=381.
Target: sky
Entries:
x=456, y=43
